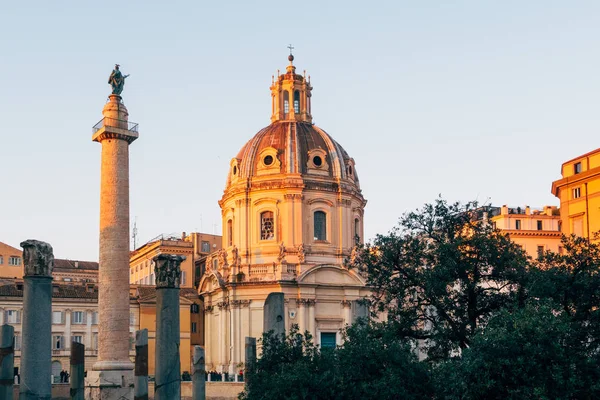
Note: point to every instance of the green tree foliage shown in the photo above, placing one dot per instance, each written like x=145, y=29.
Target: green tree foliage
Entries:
x=527, y=353
x=441, y=273
x=490, y=322
x=371, y=364
x=572, y=280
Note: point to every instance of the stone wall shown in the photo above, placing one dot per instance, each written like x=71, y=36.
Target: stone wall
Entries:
x=214, y=390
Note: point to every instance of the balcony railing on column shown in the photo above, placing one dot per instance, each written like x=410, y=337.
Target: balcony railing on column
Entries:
x=115, y=123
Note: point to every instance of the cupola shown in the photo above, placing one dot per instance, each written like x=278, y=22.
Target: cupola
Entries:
x=290, y=95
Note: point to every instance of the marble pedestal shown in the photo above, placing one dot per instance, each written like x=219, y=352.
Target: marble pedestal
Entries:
x=109, y=385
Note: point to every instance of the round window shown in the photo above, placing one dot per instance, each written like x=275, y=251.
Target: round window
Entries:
x=234, y=170
x=317, y=161
x=268, y=160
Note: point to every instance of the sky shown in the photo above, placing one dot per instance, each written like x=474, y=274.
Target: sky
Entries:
x=473, y=100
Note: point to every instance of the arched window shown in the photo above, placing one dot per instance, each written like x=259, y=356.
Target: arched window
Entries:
x=229, y=233
x=357, y=231
x=286, y=101
x=267, y=226
x=297, y=102
x=320, y=225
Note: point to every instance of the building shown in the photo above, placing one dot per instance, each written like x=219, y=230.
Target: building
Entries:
x=535, y=230
x=11, y=261
x=579, y=193
x=11, y=266
x=141, y=268
x=189, y=312
x=75, y=319
x=292, y=212
x=195, y=247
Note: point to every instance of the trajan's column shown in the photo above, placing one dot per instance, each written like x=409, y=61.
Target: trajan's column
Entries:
x=112, y=375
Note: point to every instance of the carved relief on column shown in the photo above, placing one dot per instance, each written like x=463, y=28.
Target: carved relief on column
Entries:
x=223, y=305
x=167, y=269
x=38, y=258
x=209, y=309
x=346, y=303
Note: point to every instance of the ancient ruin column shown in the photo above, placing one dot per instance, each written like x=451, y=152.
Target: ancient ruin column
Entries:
x=198, y=375
x=7, y=361
x=167, y=385
x=249, y=356
x=274, y=314
x=112, y=375
x=36, y=348
x=141, y=365
x=77, y=390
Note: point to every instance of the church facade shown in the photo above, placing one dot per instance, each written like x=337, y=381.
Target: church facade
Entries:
x=292, y=212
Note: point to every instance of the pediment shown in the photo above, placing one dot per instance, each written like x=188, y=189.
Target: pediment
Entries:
x=330, y=275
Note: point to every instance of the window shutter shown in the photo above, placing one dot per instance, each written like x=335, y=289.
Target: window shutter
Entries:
x=85, y=317
x=62, y=342
x=62, y=317
x=18, y=317
x=6, y=316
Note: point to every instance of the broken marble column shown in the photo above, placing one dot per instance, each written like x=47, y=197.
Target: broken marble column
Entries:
x=249, y=356
x=198, y=377
x=274, y=314
x=167, y=385
x=36, y=348
x=7, y=361
x=77, y=371
x=141, y=365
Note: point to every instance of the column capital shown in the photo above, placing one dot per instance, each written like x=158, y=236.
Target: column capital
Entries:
x=38, y=258
x=167, y=269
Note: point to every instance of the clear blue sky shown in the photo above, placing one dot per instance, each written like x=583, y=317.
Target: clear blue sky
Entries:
x=470, y=99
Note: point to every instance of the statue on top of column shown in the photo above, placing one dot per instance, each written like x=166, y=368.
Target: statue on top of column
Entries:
x=117, y=80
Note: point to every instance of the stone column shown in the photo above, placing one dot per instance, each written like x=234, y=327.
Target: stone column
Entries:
x=249, y=356
x=7, y=361
x=167, y=363
x=274, y=314
x=77, y=371
x=36, y=347
x=141, y=365
x=198, y=377
x=112, y=374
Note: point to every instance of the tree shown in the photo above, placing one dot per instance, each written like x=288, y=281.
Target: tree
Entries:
x=525, y=353
x=371, y=364
x=442, y=273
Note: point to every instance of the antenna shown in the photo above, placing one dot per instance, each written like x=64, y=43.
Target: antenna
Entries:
x=135, y=233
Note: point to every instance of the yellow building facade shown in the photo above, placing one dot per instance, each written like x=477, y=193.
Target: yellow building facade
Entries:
x=535, y=230
x=141, y=269
x=11, y=261
x=579, y=193
x=292, y=212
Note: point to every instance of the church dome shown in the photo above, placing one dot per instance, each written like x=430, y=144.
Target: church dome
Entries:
x=294, y=147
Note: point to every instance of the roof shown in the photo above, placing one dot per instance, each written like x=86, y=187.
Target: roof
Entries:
x=17, y=251
x=14, y=288
x=294, y=141
x=149, y=293
x=75, y=264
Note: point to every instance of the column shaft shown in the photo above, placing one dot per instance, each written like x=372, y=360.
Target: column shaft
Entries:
x=36, y=347
x=113, y=295
x=7, y=363
x=167, y=361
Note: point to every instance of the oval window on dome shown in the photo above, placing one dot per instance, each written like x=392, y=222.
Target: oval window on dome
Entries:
x=318, y=161
x=350, y=169
x=268, y=160
x=234, y=170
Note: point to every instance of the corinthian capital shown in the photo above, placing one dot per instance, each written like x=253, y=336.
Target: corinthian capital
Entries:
x=167, y=269
x=38, y=258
